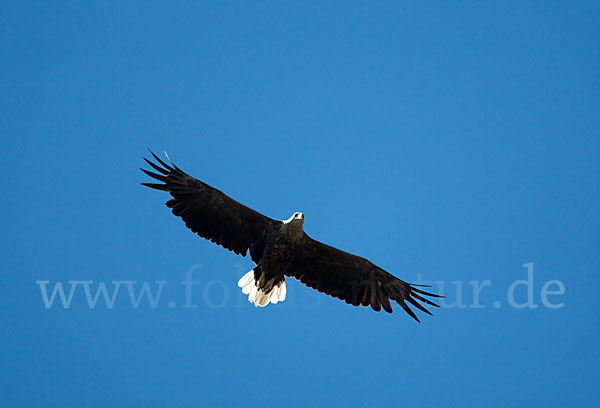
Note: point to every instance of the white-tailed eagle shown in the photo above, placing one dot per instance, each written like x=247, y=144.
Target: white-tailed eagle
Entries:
x=280, y=249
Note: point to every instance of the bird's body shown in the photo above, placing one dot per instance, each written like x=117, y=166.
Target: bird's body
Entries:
x=266, y=282
x=280, y=249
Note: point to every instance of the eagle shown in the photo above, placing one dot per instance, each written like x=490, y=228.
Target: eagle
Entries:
x=280, y=248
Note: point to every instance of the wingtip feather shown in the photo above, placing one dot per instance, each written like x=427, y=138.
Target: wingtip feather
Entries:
x=155, y=186
x=171, y=161
x=165, y=165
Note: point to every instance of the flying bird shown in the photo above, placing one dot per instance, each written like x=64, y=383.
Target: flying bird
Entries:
x=280, y=249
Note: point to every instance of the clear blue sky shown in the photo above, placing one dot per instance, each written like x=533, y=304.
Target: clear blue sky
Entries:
x=451, y=142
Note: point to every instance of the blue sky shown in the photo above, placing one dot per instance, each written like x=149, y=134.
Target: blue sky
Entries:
x=445, y=142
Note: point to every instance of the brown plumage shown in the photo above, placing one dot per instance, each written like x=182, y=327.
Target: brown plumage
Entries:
x=280, y=248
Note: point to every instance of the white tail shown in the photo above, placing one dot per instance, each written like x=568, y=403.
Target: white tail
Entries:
x=256, y=295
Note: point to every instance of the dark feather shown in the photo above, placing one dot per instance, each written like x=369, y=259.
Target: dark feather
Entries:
x=353, y=279
x=162, y=187
x=162, y=163
x=155, y=167
x=408, y=310
x=154, y=175
x=210, y=213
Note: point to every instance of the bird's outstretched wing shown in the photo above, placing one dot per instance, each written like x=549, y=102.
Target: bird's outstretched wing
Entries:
x=354, y=279
x=210, y=213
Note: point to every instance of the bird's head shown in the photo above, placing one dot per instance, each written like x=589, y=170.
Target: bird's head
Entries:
x=294, y=226
x=296, y=218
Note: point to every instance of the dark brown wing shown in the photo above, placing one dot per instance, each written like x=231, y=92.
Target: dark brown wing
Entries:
x=354, y=279
x=210, y=213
